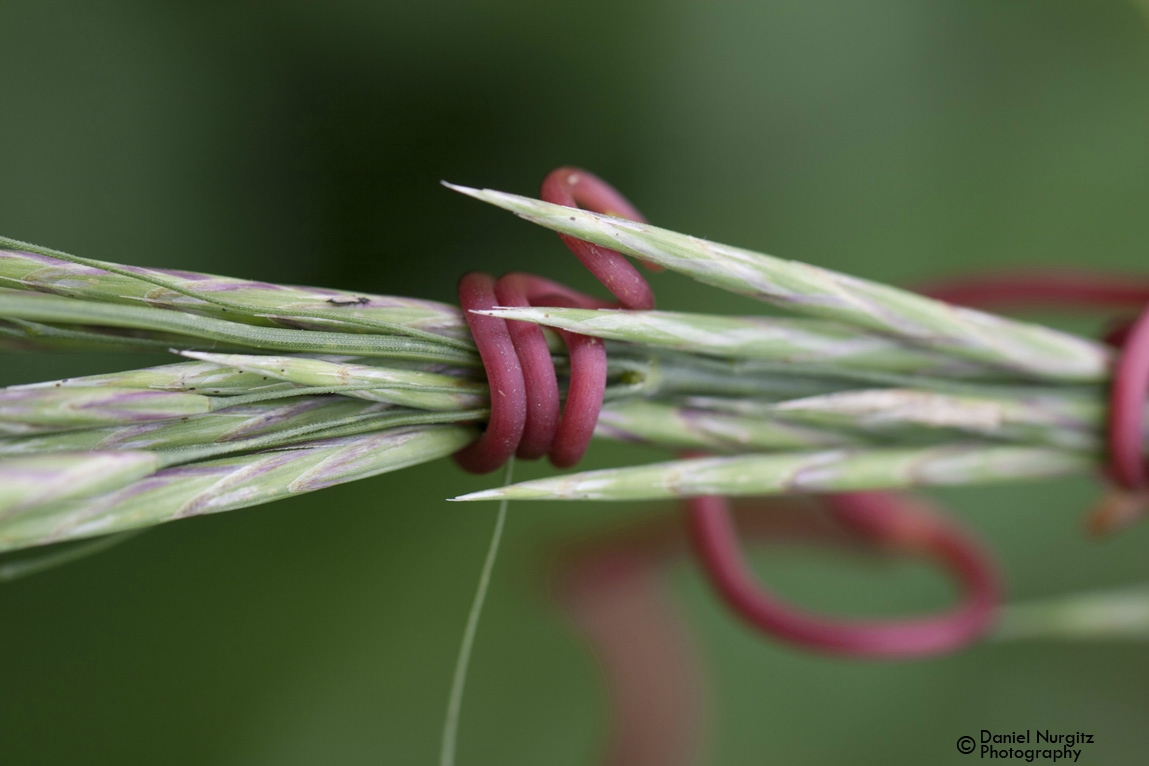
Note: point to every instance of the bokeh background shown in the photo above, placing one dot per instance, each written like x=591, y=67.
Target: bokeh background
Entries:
x=303, y=142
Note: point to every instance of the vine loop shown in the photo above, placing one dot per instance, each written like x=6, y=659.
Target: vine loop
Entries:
x=525, y=420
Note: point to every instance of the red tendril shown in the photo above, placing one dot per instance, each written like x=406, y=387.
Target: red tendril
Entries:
x=887, y=519
x=655, y=681
x=525, y=420
x=525, y=416
x=577, y=188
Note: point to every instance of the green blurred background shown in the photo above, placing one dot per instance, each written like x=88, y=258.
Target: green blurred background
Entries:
x=303, y=142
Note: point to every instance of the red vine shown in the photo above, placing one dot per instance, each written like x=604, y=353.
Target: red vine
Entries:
x=608, y=588
x=525, y=421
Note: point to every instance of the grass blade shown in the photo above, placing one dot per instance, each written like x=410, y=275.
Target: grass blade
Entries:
x=228, y=425
x=50, y=308
x=674, y=426
x=806, y=472
x=31, y=267
x=1026, y=349
x=1102, y=616
x=234, y=482
x=38, y=481
x=776, y=339
x=408, y=388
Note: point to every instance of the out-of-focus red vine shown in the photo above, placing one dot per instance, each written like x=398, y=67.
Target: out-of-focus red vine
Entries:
x=609, y=588
x=525, y=420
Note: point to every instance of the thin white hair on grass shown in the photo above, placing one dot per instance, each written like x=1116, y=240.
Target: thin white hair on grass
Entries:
x=459, y=680
x=67, y=554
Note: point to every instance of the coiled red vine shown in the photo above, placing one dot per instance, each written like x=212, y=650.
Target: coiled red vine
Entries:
x=525, y=420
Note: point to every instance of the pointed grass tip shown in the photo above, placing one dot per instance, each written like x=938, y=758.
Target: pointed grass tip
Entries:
x=468, y=190
x=486, y=494
x=523, y=207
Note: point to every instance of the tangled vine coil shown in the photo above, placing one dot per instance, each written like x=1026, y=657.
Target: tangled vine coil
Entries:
x=526, y=421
